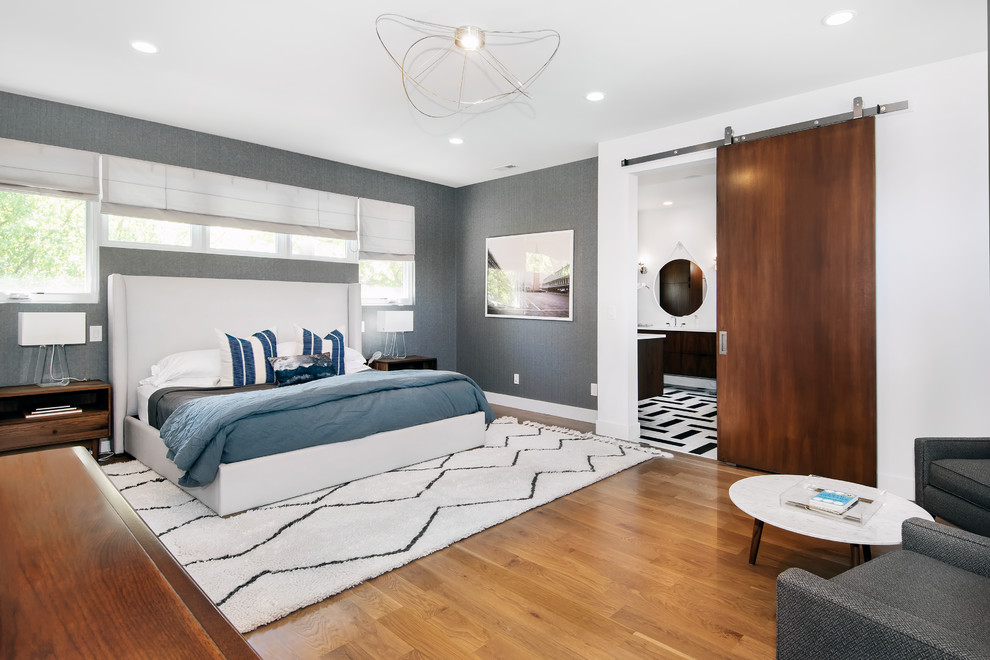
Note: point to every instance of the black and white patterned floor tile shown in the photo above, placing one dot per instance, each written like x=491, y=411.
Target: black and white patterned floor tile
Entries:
x=681, y=420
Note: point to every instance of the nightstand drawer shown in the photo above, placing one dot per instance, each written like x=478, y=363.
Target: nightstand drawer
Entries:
x=88, y=425
x=410, y=362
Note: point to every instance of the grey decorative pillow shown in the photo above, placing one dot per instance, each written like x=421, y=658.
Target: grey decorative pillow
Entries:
x=295, y=369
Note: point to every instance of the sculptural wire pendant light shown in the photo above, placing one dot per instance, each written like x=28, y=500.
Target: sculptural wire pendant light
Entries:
x=447, y=69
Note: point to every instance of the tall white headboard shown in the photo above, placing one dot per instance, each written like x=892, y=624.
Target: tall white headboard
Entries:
x=151, y=317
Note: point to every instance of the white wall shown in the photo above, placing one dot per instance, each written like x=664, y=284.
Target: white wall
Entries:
x=933, y=252
x=660, y=230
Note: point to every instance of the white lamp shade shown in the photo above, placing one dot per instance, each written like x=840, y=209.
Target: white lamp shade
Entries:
x=51, y=328
x=395, y=321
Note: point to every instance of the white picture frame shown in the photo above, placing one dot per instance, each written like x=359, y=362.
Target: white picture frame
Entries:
x=530, y=276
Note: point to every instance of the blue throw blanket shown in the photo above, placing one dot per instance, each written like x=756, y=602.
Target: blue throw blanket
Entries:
x=228, y=428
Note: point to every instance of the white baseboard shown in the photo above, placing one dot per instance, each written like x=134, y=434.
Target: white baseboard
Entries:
x=543, y=407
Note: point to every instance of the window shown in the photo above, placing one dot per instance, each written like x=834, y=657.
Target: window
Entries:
x=45, y=247
x=120, y=231
x=229, y=239
x=317, y=246
x=150, y=232
x=387, y=282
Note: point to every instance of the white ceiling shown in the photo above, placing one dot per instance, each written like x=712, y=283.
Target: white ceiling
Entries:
x=310, y=75
x=684, y=186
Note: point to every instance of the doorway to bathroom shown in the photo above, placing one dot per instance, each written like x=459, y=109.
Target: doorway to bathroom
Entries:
x=677, y=402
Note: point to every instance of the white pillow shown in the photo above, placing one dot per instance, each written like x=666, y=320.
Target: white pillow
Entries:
x=204, y=364
x=354, y=361
x=245, y=361
x=287, y=348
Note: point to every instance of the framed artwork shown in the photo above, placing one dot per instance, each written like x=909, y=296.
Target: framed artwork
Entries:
x=529, y=276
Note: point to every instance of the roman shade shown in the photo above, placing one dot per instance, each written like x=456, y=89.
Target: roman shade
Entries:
x=41, y=168
x=388, y=231
x=142, y=189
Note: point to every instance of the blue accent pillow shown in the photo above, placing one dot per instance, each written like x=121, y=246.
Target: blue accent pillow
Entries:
x=295, y=369
x=310, y=343
x=245, y=361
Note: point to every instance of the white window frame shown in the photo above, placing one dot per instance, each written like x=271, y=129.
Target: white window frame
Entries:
x=92, y=276
x=409, y=286
x=200, y=235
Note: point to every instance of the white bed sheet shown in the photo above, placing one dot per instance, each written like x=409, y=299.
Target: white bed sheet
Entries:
x=144, y=393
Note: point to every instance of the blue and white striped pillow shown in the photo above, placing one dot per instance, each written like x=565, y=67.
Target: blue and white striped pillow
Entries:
x=310, y=343
x=245, y=361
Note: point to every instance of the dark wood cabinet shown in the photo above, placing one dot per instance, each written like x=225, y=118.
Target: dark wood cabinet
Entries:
x=650, y=367
x=89, y=425
x=408, y=362
x=689, y=353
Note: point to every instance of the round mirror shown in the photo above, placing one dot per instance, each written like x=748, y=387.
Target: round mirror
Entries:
x=680, y=287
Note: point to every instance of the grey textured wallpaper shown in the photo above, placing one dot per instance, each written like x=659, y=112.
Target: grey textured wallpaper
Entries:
x=36, y=120
x=556, y=360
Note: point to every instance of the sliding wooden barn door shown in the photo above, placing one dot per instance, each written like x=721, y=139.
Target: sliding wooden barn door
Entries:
x=796, y=299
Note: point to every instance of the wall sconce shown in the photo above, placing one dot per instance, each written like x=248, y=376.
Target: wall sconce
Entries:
x=642, y=268
x=55, y=330
x=395, y=325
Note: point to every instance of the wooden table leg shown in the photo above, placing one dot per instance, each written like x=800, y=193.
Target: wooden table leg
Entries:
x=754, y=545
x=859, y=554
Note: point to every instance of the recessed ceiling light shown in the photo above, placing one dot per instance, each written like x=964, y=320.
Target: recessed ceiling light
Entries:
x=594, y=96
x=144, y=47
x=668, y=203
x=840, y=17
x=456, y=140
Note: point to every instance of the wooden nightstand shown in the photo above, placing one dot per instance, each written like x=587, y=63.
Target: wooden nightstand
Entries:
x=408, y=362
x=89, y=426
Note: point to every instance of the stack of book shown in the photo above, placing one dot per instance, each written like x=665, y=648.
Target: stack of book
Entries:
x=833, y=501
x=51, y=411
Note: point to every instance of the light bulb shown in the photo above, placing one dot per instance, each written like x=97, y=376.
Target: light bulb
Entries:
x=469, y=37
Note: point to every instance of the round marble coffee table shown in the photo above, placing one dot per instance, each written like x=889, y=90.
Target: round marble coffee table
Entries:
x=760, y=497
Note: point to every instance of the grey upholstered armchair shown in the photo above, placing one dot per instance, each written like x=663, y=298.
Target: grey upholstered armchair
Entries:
x=952, y=480
x=930, y=599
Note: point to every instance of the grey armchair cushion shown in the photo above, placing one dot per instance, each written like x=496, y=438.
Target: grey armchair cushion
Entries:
x=966, y=478
x=820, y=620
x=927, y=589
x=928, y=600
x=952, y=480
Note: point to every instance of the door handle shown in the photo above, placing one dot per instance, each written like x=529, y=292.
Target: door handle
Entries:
x=723, y=343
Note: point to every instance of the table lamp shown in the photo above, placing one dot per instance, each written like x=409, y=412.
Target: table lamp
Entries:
x=395, y=324
x=51, y=330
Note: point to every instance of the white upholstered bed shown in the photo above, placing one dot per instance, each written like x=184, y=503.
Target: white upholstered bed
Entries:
x=151, y=317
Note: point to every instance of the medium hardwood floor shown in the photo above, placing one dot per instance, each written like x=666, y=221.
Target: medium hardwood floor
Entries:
x=649, y=563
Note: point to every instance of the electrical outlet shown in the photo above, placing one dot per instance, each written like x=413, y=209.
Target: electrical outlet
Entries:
x=96, y=333
x=594, y=389
x=515, y=379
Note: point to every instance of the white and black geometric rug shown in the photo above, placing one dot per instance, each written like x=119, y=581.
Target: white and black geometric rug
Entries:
x=682, y=420
x=265, y=563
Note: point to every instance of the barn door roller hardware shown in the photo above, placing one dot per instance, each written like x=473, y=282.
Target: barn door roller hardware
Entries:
x=730, y=137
